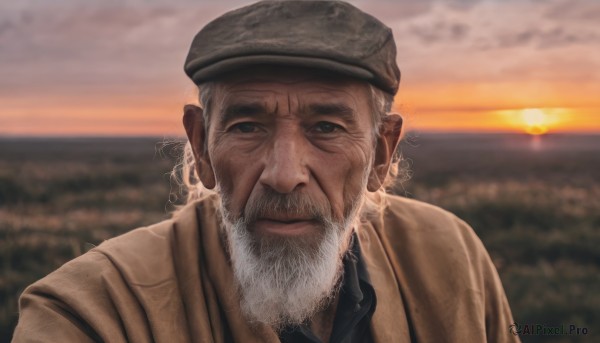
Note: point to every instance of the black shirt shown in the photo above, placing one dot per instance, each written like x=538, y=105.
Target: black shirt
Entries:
x=354, y=310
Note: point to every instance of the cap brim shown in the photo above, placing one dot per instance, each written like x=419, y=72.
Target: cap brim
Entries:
x=210, y=72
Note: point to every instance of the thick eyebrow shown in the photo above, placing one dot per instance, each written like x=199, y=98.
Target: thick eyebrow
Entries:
x=240, y=110
x=342, y=111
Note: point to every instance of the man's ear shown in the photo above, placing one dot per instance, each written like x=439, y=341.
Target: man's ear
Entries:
x=193, y=121
x=389, y=136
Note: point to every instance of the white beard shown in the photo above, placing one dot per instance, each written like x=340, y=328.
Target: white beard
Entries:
x=285, y=281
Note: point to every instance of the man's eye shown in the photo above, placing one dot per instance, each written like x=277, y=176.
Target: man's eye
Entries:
x=246, y=127
x=326, y=127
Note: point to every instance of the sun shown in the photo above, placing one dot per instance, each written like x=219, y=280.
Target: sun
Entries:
x=535, y=120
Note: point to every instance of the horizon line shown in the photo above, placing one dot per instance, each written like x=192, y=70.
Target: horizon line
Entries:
x=182, y=137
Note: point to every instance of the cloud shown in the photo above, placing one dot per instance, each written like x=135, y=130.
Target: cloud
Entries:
x=552, y=37
x=570, y=11
x=430, y=33
x=91, y=47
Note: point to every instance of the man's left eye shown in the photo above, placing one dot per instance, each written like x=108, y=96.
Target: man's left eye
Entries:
x=326, y=127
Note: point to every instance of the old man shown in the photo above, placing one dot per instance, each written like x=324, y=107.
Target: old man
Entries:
x=288, y=234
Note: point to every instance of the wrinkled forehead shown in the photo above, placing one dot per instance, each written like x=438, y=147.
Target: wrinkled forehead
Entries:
x=313, y=83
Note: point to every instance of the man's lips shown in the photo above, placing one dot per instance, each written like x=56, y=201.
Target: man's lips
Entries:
x=286, y=226
x=286, y=219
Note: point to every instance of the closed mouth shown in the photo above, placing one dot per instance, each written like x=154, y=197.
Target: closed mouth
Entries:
x=285, y=220
x=285, y=226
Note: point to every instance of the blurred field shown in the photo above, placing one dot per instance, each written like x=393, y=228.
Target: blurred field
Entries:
x=535, y=203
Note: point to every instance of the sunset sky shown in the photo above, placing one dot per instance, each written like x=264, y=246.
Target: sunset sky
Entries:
x=111, y=67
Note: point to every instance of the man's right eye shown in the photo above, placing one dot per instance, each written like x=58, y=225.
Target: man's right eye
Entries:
x=245, y=127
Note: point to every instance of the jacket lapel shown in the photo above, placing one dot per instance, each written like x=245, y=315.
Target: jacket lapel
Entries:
x=389, y=323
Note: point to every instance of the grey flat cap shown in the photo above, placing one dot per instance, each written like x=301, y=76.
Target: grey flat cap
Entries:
x=330, y=35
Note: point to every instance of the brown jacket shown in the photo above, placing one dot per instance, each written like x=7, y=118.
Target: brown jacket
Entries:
x=171, y=282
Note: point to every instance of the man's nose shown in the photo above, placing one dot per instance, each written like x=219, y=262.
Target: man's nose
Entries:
x=285, y=168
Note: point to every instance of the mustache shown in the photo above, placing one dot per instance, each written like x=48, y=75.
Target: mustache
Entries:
x=271, y=204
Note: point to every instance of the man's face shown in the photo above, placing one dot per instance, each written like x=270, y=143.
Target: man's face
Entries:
x=292, y=134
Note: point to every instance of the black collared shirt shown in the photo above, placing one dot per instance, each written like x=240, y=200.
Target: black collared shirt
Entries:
x=354, y=310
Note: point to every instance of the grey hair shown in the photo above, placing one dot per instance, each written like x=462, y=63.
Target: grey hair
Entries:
x=185, y=175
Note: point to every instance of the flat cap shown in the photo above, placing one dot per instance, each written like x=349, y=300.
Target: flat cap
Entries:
x=330, y=35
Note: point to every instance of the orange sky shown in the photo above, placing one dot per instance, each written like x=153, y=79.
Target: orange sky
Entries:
x=502, y=107
x=115, y=68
